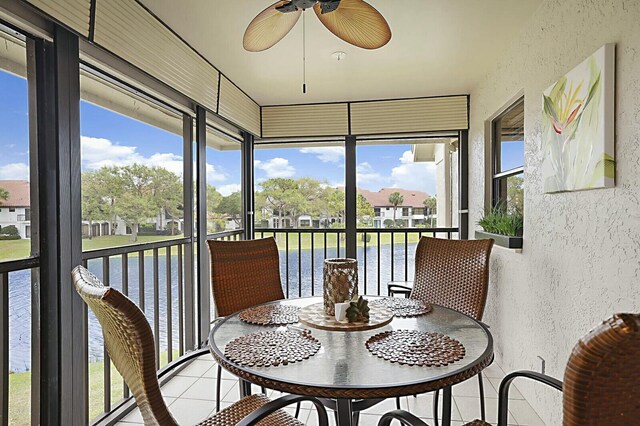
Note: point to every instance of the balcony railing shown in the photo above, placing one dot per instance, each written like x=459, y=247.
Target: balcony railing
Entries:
x=160, y=272
x=383, y=255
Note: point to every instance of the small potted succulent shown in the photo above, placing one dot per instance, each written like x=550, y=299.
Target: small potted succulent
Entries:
x=358, y=310
x=504, y=226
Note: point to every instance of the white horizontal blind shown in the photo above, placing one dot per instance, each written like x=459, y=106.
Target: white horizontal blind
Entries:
x=305, y=120
x=73, y=13
x=237, y=107
x=129, y=31
x=409, y=115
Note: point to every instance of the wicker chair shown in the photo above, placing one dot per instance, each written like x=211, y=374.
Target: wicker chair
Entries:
x=453, y=274
x=243, y=274
x=130, y=344
x=600, y=382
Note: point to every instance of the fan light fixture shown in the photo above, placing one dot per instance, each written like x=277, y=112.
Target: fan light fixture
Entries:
x=354, y=21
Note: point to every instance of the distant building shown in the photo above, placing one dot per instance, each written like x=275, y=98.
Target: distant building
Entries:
x=410, y=213
x=16, y=210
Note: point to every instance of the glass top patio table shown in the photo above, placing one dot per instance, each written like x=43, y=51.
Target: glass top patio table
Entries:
x=344, y=369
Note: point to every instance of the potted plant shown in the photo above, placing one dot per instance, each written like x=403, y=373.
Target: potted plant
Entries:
x=504, y=226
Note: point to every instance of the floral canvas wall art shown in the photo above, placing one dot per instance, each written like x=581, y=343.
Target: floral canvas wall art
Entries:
x=578, y=126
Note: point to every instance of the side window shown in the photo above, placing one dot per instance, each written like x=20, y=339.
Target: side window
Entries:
x=508, y=159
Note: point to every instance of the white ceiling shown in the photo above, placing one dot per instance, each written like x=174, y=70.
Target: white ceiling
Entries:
x=439, y=47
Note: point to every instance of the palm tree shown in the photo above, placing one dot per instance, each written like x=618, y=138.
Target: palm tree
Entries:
x=4, y=195
x=430, y=206
x=396, y=200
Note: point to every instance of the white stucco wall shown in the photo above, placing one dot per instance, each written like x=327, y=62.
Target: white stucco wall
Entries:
x=581, y=257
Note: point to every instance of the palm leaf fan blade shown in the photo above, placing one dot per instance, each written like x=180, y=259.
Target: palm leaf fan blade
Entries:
x=357, y=23
x=269, y=27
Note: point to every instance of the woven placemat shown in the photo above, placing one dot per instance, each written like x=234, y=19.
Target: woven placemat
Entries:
x=314, y=316
x=272, y=348
x=270, y=315
x=402, y=307
x=414, y=347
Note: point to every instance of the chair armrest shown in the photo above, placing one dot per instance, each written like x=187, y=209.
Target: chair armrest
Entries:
x=275, y=405
x=404, y=417
x=505, y=384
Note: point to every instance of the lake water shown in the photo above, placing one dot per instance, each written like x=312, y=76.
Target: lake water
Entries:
x=20, y=291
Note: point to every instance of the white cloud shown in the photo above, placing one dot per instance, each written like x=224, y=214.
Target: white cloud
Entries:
x=213, y=175
x=276, y=168
x=410, y=175
x=328, y=154
x=101, y=152
x=366, y=175
x=14, y=171
x=229, y=189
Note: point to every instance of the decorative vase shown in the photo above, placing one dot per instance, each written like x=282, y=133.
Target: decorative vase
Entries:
x=340, y=282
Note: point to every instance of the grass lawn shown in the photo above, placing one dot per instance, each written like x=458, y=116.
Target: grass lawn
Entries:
x=20, y=392
x=19, y=249
x=332, y=240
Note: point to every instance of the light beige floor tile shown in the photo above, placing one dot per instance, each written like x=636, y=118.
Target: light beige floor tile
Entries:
x=422, y=406
x=524, y=413
x=178, y=385
x=494, y=371
x=470, y=409
x=385, y=406
x=196, y=368
x=212, y=372
x=206, y=389
x=514, y=393
x=471, y=388
x=191, y=411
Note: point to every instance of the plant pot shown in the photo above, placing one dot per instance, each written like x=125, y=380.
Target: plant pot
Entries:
x=501, y=240
x=340, y=282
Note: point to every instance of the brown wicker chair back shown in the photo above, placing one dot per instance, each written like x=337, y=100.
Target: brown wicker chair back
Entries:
x=129, y=341
x=244, y=273
x=453, y=274
x=601, y=381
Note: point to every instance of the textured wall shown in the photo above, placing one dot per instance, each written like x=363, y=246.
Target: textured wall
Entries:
x=581, y=257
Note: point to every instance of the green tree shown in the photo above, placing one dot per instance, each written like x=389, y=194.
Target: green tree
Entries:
x=4, y=195
x=166, y=188
x=430, y=205
x=364, y=210
x=95, y=200
x=231, y=207
x=280, y=196
x=515, y=194
x=214, y=198
x=136, y=202
x=10, y=230
x=396, y=200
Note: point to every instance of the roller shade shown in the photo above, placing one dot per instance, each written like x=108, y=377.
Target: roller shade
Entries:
x=73, y=13
x=129, y=31
x=305, y=120
x=409, y=115
x=237, y=107
x=13, y=55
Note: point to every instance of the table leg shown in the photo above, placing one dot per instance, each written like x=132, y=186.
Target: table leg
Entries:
x=344, y=412
x=446, y=406
x=245, y=388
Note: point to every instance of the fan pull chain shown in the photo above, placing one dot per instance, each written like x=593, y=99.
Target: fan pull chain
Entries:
x=304, y=53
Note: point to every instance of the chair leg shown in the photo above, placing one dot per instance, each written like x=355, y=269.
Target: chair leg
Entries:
x=297, y=410
x=398, y=403
x=218, y=388
x=483, y=413
x=436, y=397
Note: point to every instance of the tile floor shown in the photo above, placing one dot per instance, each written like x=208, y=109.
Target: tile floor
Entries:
x=191, y=398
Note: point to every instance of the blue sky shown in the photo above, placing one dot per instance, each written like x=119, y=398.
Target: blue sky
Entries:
x=109, y=138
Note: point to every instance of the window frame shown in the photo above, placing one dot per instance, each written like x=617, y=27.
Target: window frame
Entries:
x=499, y=178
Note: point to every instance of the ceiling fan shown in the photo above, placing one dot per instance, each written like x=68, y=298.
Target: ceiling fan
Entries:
x=354, y=21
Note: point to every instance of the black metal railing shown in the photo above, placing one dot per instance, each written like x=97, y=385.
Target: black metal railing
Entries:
x=154, y=276
x=383, y=255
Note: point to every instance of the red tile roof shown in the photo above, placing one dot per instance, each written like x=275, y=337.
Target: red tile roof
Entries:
x=381, y=198
x=19, y=193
